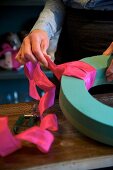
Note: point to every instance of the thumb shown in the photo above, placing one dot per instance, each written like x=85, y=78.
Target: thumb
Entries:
x=109, y=50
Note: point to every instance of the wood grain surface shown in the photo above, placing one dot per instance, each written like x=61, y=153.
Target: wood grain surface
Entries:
x=70, y=150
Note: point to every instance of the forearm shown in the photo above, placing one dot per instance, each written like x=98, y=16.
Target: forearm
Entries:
x=51, y=18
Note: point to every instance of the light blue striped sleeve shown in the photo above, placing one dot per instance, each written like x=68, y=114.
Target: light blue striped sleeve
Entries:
x=51, y=17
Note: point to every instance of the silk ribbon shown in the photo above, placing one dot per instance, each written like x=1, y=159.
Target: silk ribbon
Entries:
x=41, y=136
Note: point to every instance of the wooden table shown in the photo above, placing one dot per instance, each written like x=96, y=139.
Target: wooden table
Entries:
x=70, y=151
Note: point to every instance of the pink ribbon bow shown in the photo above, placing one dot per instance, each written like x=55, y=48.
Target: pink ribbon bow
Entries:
x=41, y=136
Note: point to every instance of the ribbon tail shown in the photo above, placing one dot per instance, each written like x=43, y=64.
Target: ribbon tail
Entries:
x=40, y=137
x=33, y=90
x=8, y=143
x=47, y=100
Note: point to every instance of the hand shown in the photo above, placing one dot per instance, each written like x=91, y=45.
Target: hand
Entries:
x=109, y=71
x=34, y=47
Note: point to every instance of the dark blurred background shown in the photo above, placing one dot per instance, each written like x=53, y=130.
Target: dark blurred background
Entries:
x=16, y=17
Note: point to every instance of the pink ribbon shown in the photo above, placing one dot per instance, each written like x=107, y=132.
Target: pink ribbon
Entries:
x=8, y=143
x=78, y=69
x=41, y=136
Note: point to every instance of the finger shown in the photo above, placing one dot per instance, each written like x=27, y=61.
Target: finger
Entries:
x=47, y=56
x=108, y=72
x=22, y=57
x=110, y=69
x=27, y=54
x=37, y=51
x=109, y=50
x=110, y=78
x=18, y=57
x=44, y=46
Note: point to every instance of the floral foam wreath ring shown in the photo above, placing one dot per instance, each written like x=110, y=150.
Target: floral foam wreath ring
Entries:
x=88, y=115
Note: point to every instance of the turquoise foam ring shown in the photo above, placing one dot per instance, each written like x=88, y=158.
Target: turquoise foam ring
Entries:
x=88, y=115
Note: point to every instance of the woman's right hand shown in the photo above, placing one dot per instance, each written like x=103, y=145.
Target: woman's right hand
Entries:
x=34, y=48
x=109, y=71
